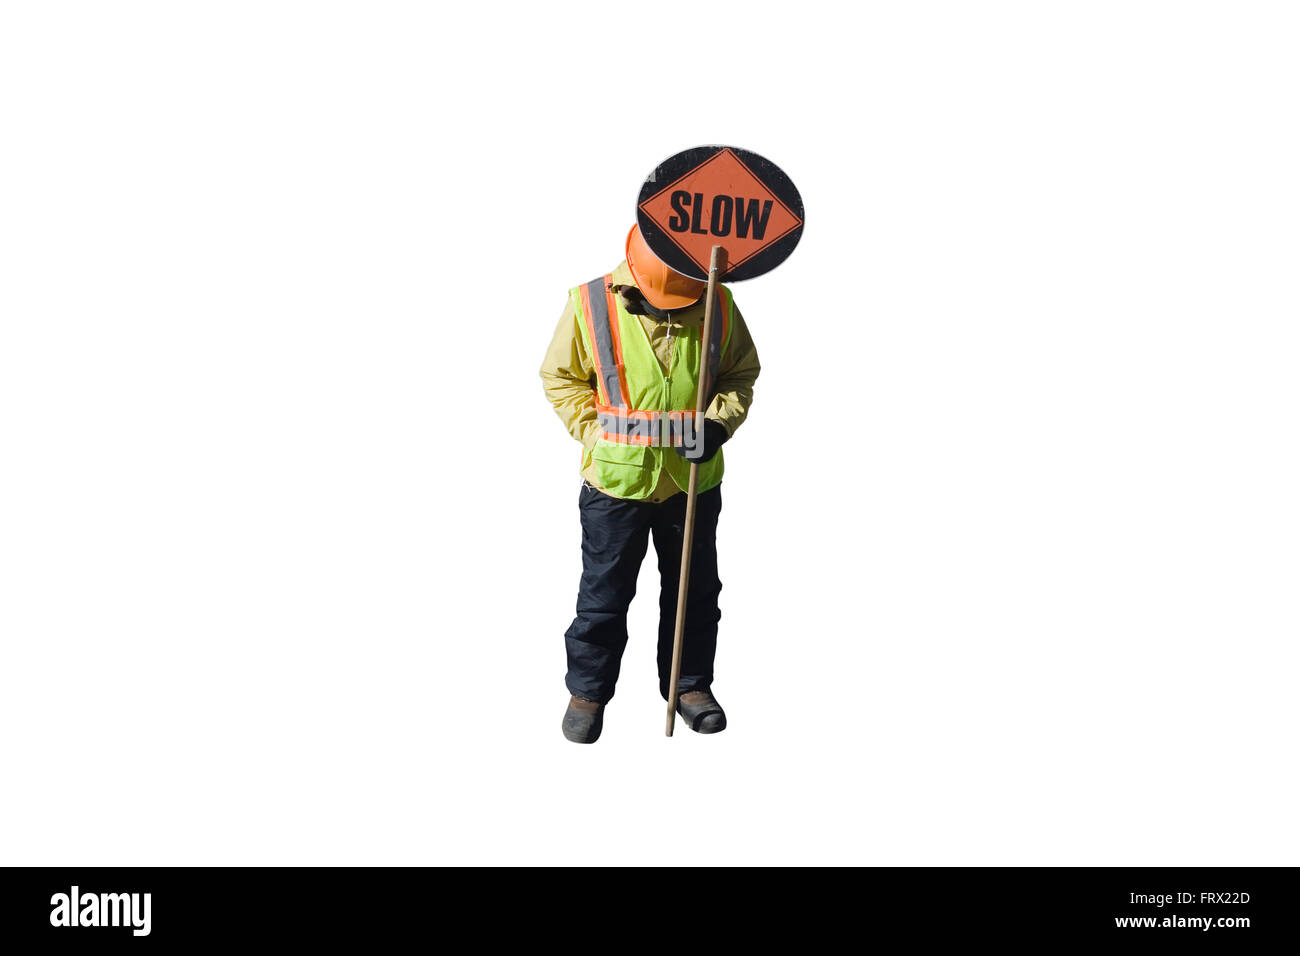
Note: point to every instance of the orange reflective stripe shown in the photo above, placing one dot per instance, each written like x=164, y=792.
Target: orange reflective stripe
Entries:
x=636, y=413
x=618, y=439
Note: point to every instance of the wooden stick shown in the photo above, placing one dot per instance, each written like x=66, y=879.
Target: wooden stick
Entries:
x=716, y=266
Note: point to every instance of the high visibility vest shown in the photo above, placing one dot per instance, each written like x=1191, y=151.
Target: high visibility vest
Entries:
x=642, y=409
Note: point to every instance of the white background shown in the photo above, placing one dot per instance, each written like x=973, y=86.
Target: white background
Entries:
x=289, y=534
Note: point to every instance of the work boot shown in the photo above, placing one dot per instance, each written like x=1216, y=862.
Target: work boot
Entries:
x=583, y=720
x=701, y=712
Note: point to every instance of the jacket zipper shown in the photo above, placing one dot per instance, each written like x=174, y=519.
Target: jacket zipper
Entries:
x=668, y=385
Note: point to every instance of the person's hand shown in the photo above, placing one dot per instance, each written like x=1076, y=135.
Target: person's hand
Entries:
x=635, y=302
x=707, y=441
x=633, y=299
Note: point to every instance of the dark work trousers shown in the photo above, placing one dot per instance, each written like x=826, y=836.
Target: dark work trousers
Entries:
x=614, y=536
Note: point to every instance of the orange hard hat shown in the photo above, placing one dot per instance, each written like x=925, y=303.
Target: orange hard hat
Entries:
x=662, y=287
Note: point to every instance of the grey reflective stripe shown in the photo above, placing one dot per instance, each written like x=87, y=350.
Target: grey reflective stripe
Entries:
x=715, y=344
x=609, y=422
x=656, y=428
x=605, y=359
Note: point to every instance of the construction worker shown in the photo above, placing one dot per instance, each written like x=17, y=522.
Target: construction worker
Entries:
x=622, y=373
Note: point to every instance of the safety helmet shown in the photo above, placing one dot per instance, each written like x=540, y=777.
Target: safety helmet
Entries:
x=662, y=287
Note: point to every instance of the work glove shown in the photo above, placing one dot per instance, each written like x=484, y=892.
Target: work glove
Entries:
x=635, y=303
x=707, y=442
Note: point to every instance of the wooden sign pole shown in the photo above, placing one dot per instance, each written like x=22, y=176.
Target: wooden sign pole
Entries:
x=717, y=264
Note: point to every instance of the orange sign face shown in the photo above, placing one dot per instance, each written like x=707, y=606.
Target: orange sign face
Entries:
x=723, y=202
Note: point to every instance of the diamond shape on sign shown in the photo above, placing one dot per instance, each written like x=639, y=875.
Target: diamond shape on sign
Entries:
x=720, y=203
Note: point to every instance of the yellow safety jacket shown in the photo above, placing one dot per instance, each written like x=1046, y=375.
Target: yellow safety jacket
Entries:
x=643, y=410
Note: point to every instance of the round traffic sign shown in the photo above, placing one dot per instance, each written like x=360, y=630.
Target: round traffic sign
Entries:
x=720, y=196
